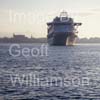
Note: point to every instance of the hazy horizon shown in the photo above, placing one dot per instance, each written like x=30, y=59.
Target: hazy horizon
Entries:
x=38, y=13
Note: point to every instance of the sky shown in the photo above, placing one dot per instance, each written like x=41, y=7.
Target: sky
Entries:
x=30, y=16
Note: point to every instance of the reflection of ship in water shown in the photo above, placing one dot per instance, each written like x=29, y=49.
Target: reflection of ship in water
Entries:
x=62, y=30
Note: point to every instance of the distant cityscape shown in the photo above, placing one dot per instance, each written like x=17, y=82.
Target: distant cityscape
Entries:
x=24, y=39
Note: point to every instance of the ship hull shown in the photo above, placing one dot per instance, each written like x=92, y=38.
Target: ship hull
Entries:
x=58, y=39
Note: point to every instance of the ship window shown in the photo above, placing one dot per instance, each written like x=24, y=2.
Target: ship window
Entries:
x=64, y=19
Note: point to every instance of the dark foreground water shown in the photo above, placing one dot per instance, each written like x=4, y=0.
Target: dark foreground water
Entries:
x=67, y=73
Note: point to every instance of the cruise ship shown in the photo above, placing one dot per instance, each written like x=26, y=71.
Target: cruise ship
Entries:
x=62, y=30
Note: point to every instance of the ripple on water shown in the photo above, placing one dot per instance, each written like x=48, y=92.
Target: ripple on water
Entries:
x=78, y=61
